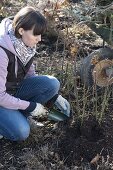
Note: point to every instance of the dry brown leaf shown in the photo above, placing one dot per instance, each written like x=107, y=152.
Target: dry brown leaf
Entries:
x=52, y=4
x=94, y=60
x=74, y=49
x=88, y=1
x=95, y=159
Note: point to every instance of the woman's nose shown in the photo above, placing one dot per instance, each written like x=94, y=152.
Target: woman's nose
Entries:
x=38, y=38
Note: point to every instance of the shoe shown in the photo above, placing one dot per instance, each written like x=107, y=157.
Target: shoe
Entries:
x=1, y=136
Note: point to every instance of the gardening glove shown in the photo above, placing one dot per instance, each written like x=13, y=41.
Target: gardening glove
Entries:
x=39, y=110
x=63, y=105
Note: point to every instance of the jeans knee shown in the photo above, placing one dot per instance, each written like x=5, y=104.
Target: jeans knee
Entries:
x=55, y=84
x=22, y=133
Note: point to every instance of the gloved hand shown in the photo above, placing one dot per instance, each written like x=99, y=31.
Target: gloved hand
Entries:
x=39, y=110
x=63, y=105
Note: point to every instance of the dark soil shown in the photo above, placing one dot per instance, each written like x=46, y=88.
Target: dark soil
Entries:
x=67, y=145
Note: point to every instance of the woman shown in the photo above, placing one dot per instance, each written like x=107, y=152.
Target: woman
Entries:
x=21, y=90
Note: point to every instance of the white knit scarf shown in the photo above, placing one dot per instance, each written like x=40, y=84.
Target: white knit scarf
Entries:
x=24, y=53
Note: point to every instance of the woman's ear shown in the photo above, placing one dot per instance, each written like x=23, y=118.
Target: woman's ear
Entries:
x=21, y=31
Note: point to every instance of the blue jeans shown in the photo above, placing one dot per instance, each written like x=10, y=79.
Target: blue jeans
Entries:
x=13, y=124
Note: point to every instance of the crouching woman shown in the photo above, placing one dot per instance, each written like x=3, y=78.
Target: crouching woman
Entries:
x=21, y=90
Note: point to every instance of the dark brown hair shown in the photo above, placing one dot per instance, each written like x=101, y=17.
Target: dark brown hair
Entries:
x=28, y=18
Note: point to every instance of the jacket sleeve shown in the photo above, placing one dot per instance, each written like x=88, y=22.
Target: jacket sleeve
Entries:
x=7, y=100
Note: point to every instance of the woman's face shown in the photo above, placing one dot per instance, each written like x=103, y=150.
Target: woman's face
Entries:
x=28, y=38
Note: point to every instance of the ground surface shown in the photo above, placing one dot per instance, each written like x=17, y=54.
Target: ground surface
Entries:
x=67, y=147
